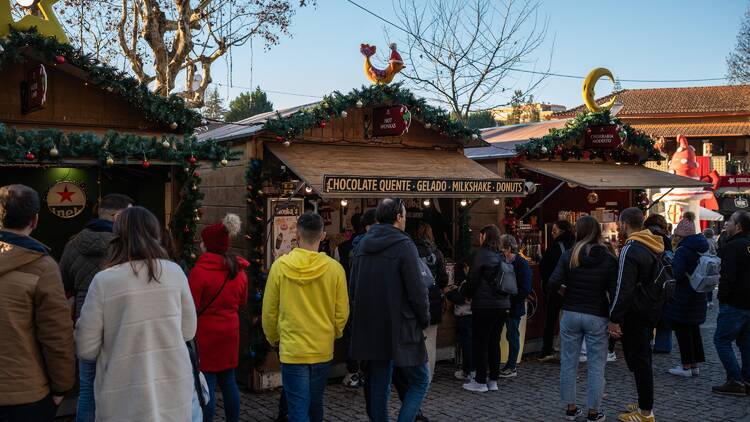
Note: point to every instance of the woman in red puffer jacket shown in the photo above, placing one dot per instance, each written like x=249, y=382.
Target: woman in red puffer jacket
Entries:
x=219, y=287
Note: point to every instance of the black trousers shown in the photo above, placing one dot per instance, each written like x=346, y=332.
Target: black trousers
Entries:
x=636, y=345
x=486, y=326
x=691, y=343
x=554, y=305
x=42, y=411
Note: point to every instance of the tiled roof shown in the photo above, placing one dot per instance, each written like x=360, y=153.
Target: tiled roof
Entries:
x=725, y=99
x=696, y=129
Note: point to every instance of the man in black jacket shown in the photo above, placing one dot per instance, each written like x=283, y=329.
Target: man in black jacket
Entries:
x=563, y=240
x=633, y=314
x=733, y=322
x=390, y=309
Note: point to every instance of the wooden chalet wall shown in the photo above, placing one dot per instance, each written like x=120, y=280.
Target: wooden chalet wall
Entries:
x=484, y=211
x=72, y=104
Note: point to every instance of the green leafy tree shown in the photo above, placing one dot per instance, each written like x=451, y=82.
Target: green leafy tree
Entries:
x=534, y=115
x=214, y=108
x=738, y=62
x=481, y=120
x=516, y=102
x=248, y=104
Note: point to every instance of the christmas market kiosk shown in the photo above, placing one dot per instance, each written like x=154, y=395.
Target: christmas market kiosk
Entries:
x=75, y=129
x=593, y=165
x=339, y=157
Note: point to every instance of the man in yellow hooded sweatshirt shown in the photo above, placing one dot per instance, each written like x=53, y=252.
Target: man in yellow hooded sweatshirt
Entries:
x=305, y=308
x=636, y=307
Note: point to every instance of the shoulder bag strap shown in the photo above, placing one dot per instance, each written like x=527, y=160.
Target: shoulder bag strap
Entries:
x=210, y=302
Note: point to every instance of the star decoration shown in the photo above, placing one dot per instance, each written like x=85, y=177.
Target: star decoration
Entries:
x=66, y=195
x=46, y=24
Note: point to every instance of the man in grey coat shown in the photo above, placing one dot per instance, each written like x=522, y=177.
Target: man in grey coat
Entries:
x=389, y=311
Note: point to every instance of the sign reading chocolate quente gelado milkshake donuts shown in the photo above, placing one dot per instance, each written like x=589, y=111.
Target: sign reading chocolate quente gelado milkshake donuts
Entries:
x=417, y=185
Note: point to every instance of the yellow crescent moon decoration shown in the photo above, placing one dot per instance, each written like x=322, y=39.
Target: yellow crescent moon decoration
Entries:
x=589, y=97
x=47, y=24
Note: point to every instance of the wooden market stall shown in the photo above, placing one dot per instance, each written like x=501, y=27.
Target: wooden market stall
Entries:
x=339, y=157
x=75, y=129
x=589, y=165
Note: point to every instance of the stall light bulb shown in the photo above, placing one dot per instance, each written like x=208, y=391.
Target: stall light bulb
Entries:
x=308, y=189
x=496, y=201
x=426, y=202
x=26, y=3
x=464, y=202
x=344, y=202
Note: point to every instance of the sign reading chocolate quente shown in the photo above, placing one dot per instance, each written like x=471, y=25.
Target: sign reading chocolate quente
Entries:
x=417, y=185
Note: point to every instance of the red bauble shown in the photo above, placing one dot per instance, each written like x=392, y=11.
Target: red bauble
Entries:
x=586, y=155
x=323, y=124
x=59, y=59
x=279, y=138
x=186, y=229
x=192, y=159
x=30, y=156
x=145, y=164
x=588, y=131
x=196, y=174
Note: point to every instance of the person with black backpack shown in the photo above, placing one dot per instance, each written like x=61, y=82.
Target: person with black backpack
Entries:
x=434, y=260
x=636, y=306
x=489, y=310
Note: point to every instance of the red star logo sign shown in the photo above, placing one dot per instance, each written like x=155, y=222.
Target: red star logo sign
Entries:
x=65, y=195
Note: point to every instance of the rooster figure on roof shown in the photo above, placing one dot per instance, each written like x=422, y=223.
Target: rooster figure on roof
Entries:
x=381, y=76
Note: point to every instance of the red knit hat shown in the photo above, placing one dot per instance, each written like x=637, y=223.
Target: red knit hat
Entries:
x=395, y=57
x=216, y=236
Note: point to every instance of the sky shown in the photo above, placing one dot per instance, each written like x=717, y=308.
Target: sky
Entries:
x=635, y=39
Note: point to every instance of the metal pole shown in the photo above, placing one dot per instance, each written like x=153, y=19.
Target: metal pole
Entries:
x=658, y=200
x=539, y=204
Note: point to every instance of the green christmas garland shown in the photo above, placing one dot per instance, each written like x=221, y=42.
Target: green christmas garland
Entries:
x=168, y=111
x=55, y=147
x=334, y=105
x=567, y=143
x=254, y=235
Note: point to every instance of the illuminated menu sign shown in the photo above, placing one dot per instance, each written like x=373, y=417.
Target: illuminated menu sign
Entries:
x=416, y=185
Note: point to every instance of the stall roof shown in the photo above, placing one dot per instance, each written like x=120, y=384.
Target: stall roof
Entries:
x=598, y=175
x=312, y=162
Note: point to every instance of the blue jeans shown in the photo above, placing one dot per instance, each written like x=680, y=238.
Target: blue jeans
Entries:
x=663, y=339
x=574, y=328
x=304, y=388
x=379, y=375
x=463, y=324
x=229, y=392
x=513, y=335
x=86, y=411
x=733, y=325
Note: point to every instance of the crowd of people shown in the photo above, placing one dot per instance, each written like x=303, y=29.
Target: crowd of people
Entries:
x=141, y=316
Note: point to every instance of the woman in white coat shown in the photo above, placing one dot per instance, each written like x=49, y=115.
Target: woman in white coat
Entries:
x=136, y=318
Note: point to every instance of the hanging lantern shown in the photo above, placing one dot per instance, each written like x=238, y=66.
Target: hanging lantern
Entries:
x=165, y=144
x=110, y=161
x=426, y=202
x=224, y=162
x=464, y=202
x=308, y=189
x=53, y=152
x=496, y=201
x=344, y=203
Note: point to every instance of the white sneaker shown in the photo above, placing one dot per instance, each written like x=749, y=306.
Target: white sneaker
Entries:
x=582, y=358
x=492, y=385
x=681, y=372
x=611, y=357
x=460, y=375
x=476, y=387
x=352, y=380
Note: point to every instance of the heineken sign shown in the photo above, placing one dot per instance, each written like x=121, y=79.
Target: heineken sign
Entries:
x=418, y=185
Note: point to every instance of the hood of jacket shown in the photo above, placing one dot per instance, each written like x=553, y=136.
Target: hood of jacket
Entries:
x=303, y=266
x=652, y=241
x=99, y=225
x=214, y=262
x=17, y=251
x=595, y=256
x=93, y=242
x=356, y=240
x=696, y=242
x=381, y=237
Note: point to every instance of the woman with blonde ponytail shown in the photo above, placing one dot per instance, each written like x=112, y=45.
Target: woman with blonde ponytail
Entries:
x=219, y=286
x=586, y=277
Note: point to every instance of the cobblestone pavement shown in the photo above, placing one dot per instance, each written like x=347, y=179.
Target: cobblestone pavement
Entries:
x=534, y=394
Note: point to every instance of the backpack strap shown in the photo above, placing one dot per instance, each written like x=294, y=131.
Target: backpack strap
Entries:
x=210, y=302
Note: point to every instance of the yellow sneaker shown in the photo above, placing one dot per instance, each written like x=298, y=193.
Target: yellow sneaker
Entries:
x=632, y=407
x=636, y=416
